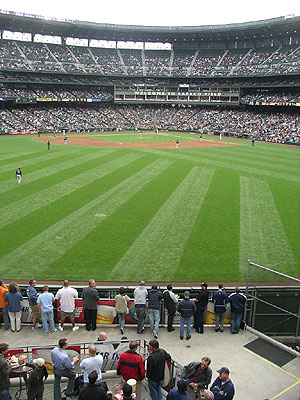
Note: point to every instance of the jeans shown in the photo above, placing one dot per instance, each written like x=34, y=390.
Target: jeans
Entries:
x=121, y=319
x=90, y=318
x=155, y=390
x=57, y=378
x=47, y=316
x=35, y=396
x=154, y=319
x=235, y=322
x=188, y=322
x=5, y=316
x=15, y=320
x=141, y=314
x=199, y=318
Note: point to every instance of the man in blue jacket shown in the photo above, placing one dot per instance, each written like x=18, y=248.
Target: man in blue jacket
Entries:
x=237, y=301
x=222, y=387
x=154, y=299
x=32, y=296
x=187, y=309
x=220, y=300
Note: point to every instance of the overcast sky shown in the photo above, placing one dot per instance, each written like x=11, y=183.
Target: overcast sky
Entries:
x=157, y=12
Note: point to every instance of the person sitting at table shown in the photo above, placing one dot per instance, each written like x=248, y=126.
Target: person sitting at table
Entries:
x=5, y=395
x=62, y=366
x=5, y=367
x=35, y=381
x=92, y=391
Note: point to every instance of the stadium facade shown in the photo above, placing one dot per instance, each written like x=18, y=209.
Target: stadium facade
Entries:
x=48, y=64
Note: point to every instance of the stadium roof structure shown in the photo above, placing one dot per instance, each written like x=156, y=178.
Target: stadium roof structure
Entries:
x=277, y=28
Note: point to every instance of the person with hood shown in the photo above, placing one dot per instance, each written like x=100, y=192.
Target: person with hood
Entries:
x=140, y=297
x=154, y=298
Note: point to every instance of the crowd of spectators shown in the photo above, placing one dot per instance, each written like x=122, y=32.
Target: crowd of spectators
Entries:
x=219, y=62
x=261, y=125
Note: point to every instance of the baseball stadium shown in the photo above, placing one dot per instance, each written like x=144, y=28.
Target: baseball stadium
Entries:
x=166, y=154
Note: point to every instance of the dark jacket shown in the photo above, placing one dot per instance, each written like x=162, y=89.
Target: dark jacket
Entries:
x=4, y=373
x=154, y=298
x=90, y=297
x=237, y=301
x=156, y=365
x=202, y=298
x=168, y=301
x=93, y=392
x=175, y=394
x=187, y=308
x=131, y=365
x=190, y=370
x=220, y=300
x=227, y=389
x=35, y=381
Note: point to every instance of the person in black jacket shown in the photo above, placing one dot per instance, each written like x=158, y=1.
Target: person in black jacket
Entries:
x=156, y=368
x=170, y=302
x=187, y=309
x=90, y=297
x=91, y=391
x=154, y=298
x=237, y=301
x=35, y=381
x=201, y=304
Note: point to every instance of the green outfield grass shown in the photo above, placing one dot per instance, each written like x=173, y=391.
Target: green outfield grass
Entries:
x=158, y=215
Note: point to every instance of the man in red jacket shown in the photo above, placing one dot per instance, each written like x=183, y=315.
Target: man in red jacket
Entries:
x=131, y=365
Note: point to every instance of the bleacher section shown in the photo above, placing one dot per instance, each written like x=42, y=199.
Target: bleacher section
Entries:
x=90, y=60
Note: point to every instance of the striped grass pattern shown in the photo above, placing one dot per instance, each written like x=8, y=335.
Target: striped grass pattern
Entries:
x=152, y=214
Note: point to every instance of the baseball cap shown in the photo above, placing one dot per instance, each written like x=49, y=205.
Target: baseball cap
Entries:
x=39, y=361
x=186, y=294
x=204, y=284
x=142, y=283
x=223, y=369
x=182, y=384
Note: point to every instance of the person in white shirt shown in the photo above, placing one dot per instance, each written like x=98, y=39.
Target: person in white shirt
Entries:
x=66, y=296
x=92, y=363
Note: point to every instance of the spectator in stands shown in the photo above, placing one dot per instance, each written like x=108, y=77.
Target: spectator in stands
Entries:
x=237, y=301
x=102, y=337
x=220, y=300
x=92, y=391
x=180, y=392
x=208, y=395
x=127, y=391
x=45, y=301
x=32, y=296
x=121, y=300
x=198, y=376
x=140, y=297
x=154, y=298
x=4, y=304
x=5, y=367
x=223, y=387
x=156, y=368
x=14, y=300
x=170, y=302
x=93, y=363
x=62, y=366
x=201, y=302
x=90, y=297
x=67, y=295
x=187, y=309
x=35, y=380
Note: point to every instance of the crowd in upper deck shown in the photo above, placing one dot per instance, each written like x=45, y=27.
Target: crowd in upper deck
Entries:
x=32, y=56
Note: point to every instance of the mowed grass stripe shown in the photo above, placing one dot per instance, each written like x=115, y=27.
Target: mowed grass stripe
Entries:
x=31, y=160
x=212, y=251
x=160, y=246
x=184, y=155
x=118, y=232
x=262, y=235
x=58, y=167
x=32, y=203
x=15, y=156
x=48, y=246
